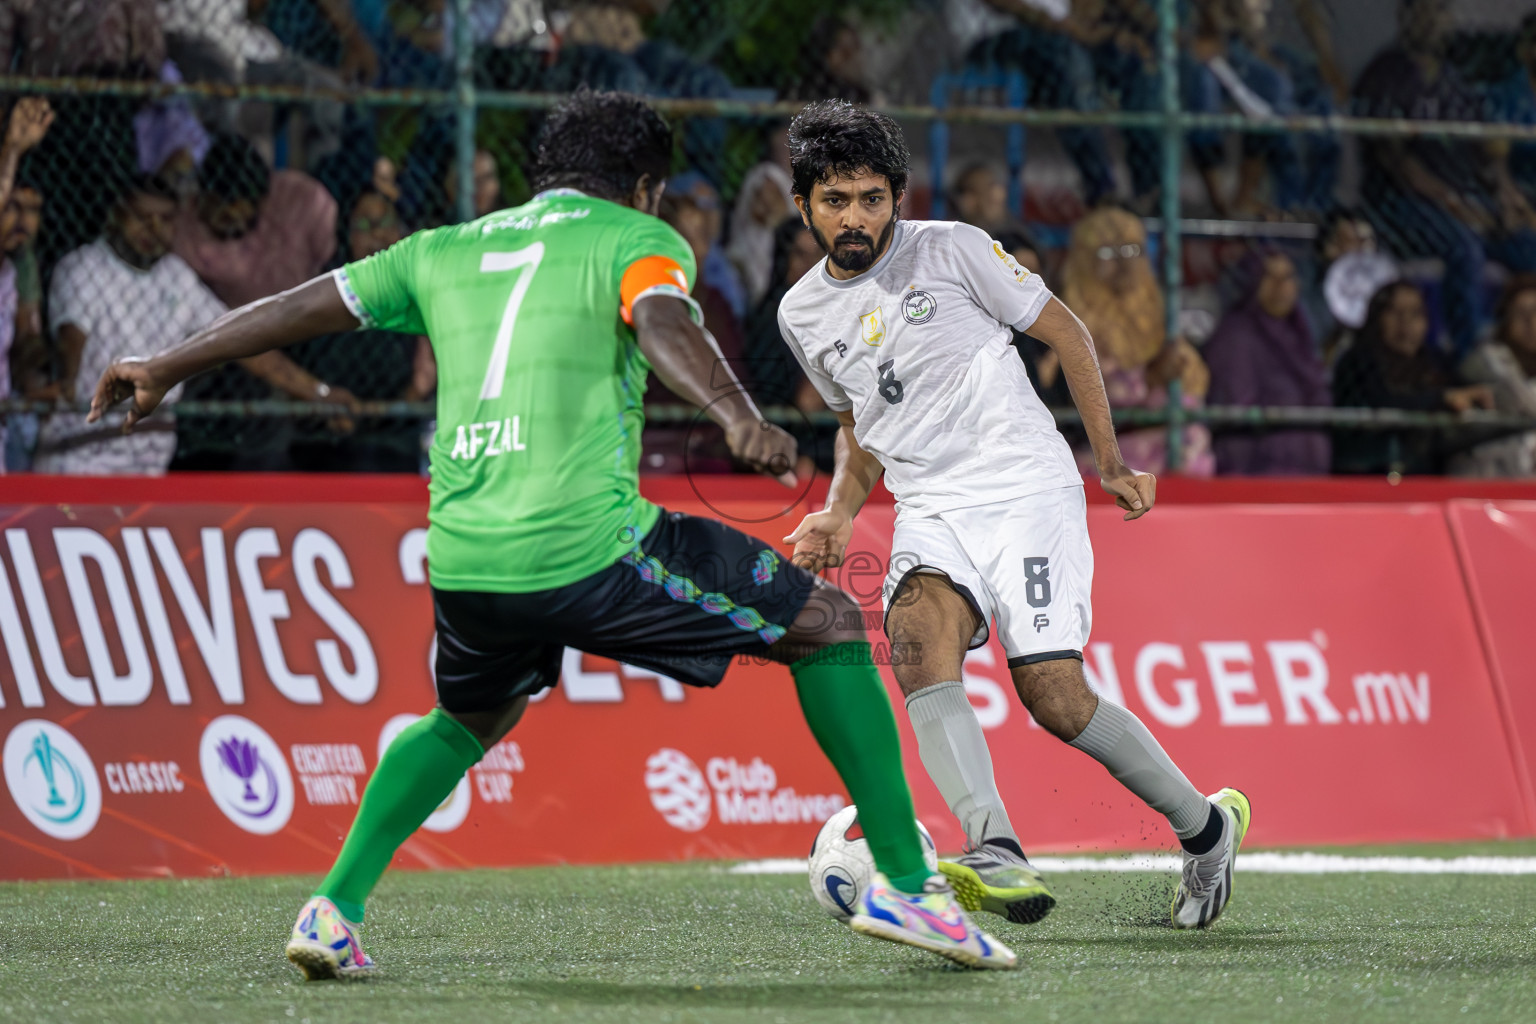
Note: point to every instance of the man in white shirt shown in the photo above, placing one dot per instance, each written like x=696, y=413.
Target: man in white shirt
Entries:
x=904, y=329
x=125, y=294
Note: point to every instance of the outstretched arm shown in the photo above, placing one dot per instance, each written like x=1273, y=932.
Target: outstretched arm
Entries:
x=822, y=537
x=688, y=362
x=1058, y=327
x=310, y=310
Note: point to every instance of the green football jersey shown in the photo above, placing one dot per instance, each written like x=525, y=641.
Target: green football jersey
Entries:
x=535, y=463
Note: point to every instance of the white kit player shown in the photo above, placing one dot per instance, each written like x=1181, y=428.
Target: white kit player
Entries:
x=905, y=330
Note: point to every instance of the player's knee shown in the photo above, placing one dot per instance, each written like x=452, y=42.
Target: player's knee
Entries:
x=488, y=727
x=1057, y=696
x=830, y=616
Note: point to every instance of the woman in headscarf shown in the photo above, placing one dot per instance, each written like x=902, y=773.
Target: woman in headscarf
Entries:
x=763, y=202
x=1108, y=282
x=1262, y=353
x=1391, y=365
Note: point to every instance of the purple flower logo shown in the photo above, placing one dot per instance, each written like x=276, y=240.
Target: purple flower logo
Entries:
x=244, y=761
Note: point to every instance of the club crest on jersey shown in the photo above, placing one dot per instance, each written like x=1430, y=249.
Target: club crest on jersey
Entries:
x=874, y=327
x=918, y=306
x=1018, y=272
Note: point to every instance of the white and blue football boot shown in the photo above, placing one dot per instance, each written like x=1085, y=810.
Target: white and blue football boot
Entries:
x=324, y=944
x=932, y=920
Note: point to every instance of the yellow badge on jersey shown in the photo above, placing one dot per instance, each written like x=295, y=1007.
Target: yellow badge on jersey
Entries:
x=1018, y=272
x=874, y=327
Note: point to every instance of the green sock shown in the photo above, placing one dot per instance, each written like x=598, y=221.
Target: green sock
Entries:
x=414, y=776
x=849, y=714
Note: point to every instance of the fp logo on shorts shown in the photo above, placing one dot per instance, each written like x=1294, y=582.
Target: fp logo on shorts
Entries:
x=678, y=791
x=52, y=779
x=246, y=774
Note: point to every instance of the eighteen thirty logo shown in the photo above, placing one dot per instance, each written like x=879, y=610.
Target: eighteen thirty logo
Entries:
x=52, y=779
x=677, y=789
x=246, y=774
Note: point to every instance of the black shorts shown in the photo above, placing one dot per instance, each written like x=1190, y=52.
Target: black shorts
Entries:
x=692, y=596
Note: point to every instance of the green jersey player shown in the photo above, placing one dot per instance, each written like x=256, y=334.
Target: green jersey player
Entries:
x=545, y=320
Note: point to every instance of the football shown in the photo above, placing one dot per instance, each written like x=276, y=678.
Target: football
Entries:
x=841, y=865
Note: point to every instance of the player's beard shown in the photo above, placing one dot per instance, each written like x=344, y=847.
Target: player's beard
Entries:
x=856, y=260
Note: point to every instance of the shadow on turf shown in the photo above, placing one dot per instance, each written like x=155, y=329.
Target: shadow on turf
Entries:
x=818, y=994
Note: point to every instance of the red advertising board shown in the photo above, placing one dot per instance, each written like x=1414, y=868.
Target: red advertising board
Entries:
x=1497, y=541
x=203, y=686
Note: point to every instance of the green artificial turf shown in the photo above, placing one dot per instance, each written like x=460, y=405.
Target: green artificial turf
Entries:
x=691, y=943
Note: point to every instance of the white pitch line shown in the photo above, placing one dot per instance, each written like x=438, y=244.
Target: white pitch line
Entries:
x=1257, y=863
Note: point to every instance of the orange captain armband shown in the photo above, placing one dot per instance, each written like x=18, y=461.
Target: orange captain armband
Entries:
x=654, y=275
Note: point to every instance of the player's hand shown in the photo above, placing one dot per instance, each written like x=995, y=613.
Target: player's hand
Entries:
x=765, y=447
x=820, y=540
x=1135, y=492
x=127, y=378
x=30, y=120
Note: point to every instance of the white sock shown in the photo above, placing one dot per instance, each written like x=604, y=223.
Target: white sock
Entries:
x=1120, y=742
x=954, y=751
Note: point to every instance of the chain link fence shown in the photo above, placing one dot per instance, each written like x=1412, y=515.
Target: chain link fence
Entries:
x=1350, y=186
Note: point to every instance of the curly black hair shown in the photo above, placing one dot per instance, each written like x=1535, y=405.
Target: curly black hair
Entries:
x=834, y=139
x=602, y=143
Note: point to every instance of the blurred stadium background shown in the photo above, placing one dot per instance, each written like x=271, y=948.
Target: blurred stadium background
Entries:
x=1261, y=128
x=1301, y=231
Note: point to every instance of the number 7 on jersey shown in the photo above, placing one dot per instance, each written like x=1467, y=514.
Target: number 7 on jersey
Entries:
x=526, y=263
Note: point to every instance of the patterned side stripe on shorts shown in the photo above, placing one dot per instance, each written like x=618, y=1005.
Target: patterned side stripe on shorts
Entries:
x=685, y=591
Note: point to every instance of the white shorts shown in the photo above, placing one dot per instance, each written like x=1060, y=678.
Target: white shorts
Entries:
x=1025, y=564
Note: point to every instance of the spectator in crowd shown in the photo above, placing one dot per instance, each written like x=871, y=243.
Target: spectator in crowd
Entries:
x=1051, y=42
x=980, y=197
x=698, y=446
x=487, y=184
x=1431, y=197
x=1392, y=365
x=617, y=27
x=1512, y=100
x=715, y=267
x=22, y=353
x=123, y=295
x=171, y=140
x=371, y=364
x=59, y=38
x=1262, y=353
x=761, y=205
x=1348, y=268
x=776, y=376
x=430, y=181
x=1506, y=363
x=216, y=41
x=1108, y=280
x=834, y=63
x=695, y=213
x=1260, y=79
x=253, y=233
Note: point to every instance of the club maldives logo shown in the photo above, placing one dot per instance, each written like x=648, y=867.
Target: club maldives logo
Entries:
x=678, y=790
x=246, y=774
x=450, y=814
x=52, y=779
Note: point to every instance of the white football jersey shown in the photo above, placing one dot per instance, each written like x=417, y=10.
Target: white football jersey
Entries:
x=918, y=348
